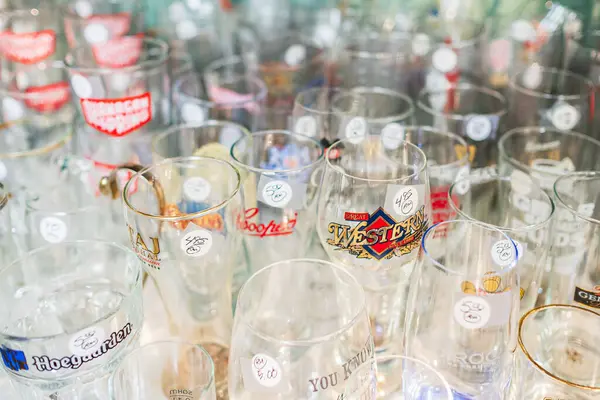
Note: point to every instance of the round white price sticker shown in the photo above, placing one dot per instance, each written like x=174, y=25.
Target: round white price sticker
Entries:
x=266, y=370
x=406, y=201
x=392, y=135
x=86, y=341
x=197, y=243
x=462, y=181
x=12, y=109
x=522, y=31
x=532, y=77
x=444, y=59
x=186, y=29
x=472, y=312
x=295, y=54
x=277, y=193
x=81, y=86
x=306, y=125
x=96, y=33
x=479, y=127
x=230, y=135
x=503, y=253
x=53, y=230
x=83, y=8
x=565, y=116
x=421, y=44
x=3, y=171
x=356, y=130
x=196, y=189
x=191, y=112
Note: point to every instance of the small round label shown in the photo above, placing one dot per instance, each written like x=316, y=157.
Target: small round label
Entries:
x=266, y=370
x=81, y=86
x=532, y=77
x=356, y=130
x=186, y=29
x=53, y=230
x=472, y=312
x=503, y=253
x=12, y=109
x=406, y=201
x=196, y=189
x=3, y=171
x=191, y=112
x=463, y=183
x=86, y=341
x=295, y=54
x=277, y=193
x=392, y=135
x=306, y=125
x=479, y=127
x=230, y=135
x=83, y=8
x=522, y=31
x=96, y=33
x=421, y=44
x=197, y=243
x=444, y=59
x=565, y=117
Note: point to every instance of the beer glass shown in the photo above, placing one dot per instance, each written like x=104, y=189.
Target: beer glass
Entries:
x=300, y=331
x=70, y=311
x=464, y=298
x=165, y=370
x=575, y=279
x=557, y=356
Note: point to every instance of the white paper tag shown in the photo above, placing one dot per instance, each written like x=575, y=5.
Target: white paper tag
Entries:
x=463, y=184
x=503, y=253
x=186, y=29
x=406, y=201
x=478, y=127
x=96, y=33
x=230, y=135
x=3, y=171
x=53, y=230
x=522, y=31
x=444, y=59
x=295, y=55
x=564, y=116
x=306, y=125
x=197, y=243
x=266, y=370
x=356, y=130
x=586, y=209
x=421, y=44
x=81, y=86
x=83, y=8
x=472, y=312
x=277, y=193
x=532, y=77
x=86, y=341
x=392, y=135
x=12, y=109
x=196, y=189
x=191, y=112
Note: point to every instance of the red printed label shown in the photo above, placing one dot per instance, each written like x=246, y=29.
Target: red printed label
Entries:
x=47, y=98
x=271, y=228
x=352, y=216
x=28, y=48
x=117, y=117
x=226, y=97
x=118, y=52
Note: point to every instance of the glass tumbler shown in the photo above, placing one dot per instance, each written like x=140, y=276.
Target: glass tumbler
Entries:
x=557, y=356
x=464, y=298
x=300, y=331
x=70, y=311
x=165, y=371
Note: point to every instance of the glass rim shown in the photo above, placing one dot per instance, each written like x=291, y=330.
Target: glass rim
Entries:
x=183, y=217
x=193, y=125
x=551, y=71
x=536, y=130
x=338, y=91
x=414, y=148
x=491, y=93
x=266, y=171
x=477, y=181
x=321, y=263
x=159, y=44
x=259, y=96
x=532, y=314
x=378, y=55
x=214, y=66
x=137, y=281
x=376, y=90
x=133, y=354
x=57, y=144
x=559, y=197
x=504, y=270
x=5, y=90
x=451, y=135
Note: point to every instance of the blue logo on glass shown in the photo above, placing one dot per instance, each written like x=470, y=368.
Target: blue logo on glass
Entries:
x=14, y=359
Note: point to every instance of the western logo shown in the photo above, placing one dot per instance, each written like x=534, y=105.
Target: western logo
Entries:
x=378, y=235
x=150, y=257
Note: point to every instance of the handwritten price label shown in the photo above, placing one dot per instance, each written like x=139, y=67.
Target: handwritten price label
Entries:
x=472, y=312
x=503, y=253
x=277, y=194
x=196, y=189
x=87, y=341
x=266, y=370
x=53, y=230
x=197, y=243
x=406, y=201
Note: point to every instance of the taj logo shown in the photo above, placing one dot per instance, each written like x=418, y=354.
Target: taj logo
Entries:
x=30, y=47
x=47, y=98
x=118, y=52
x=378, y=235
x=251, y=227
x=150, y=257
x=117, y=117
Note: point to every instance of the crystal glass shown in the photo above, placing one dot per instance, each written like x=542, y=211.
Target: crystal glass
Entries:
x=300, y=331
x=70, y=311
x=464, y=297
x=165, y=371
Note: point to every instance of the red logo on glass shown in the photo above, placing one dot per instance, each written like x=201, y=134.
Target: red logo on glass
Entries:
x=47, y=98
x=28, y=48
x=117, y=117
